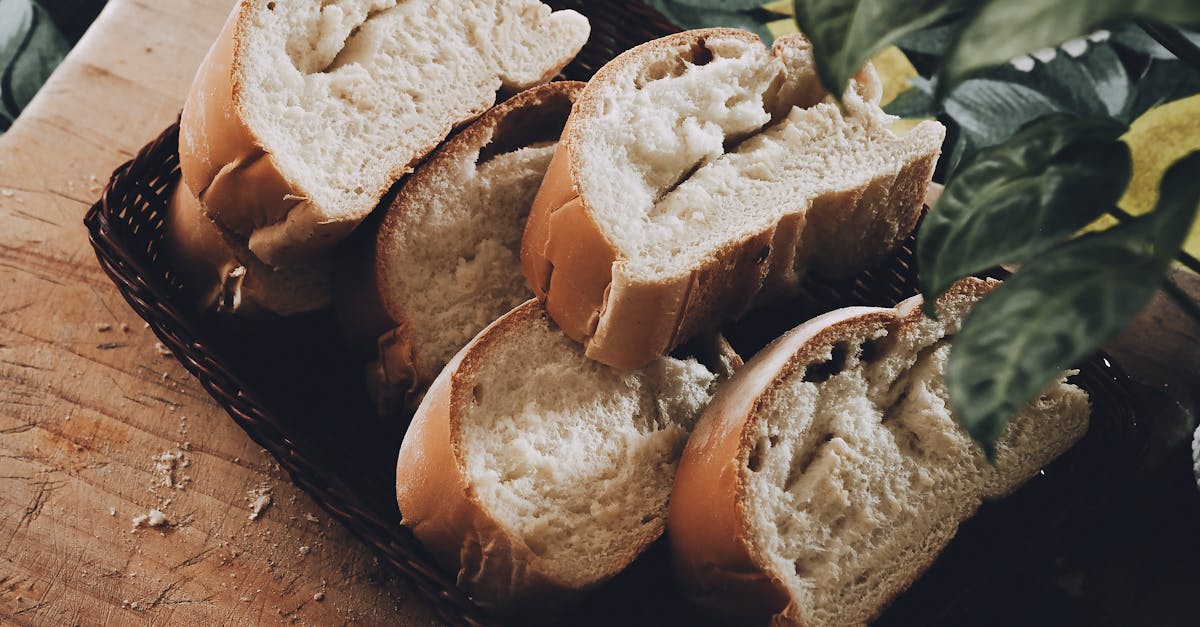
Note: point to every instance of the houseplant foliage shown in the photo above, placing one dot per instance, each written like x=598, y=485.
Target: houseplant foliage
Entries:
x=1040, y=103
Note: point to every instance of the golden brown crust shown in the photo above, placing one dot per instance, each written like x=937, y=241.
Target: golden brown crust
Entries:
x=714, y=561
x=717, y=564
x=625, y=321
x=240, y=182
x=219, y=274
x=222, y=161
x=440, y=506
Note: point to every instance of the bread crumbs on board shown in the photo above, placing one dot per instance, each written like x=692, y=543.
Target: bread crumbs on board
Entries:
x=260, y=500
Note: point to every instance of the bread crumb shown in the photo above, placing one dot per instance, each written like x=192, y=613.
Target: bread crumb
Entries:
x=260, y=500
x=162, y=349
x=304, y=550
x=154, y=518
x=318, y=597
x=112, y=511
x=311, y=518
x=165, y=466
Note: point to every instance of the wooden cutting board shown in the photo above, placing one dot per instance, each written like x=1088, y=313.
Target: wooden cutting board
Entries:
x=98, y=427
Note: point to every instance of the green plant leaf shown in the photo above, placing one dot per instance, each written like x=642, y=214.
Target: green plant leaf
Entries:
x=1003, y=29
x=721, y=5
x=1062, y=305
x=915, y=102
x=693, y=15
x=990, y=111
x=30, y=48
x=1132, y=37
x=1014, y=201
x=845, y=33
x=1162, y=81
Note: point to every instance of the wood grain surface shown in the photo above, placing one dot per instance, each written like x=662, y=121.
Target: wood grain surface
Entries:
x=98, y=426
x=89, y=405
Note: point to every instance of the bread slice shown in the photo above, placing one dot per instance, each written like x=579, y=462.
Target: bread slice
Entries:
x=535, y=473
x=701, y=172
x=303, y=114
x=447, y=256
x=827, y=475
x=219, y=274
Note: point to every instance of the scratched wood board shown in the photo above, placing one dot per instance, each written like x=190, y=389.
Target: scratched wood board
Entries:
x=89, y=405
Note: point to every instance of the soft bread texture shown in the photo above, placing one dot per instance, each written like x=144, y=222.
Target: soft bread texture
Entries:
x=219, y=274
x=827, y=475
x=303, y=114
x=447, y=256
x=535, y=473
x=701, y=172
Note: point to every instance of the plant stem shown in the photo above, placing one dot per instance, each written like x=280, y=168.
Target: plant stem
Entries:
x=1181, y=298
x=1174, y=41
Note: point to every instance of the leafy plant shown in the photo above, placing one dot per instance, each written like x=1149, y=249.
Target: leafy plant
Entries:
x=30, y=48
x=1036, y=150
x=1018, y=196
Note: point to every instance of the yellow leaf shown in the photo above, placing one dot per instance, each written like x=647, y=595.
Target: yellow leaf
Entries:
x=786, y=7
x=895, y=71
x=1162, y=136
x=782, y=27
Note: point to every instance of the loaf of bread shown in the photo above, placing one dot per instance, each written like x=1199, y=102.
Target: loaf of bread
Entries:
x=827, y=475
x=534, y=473
x=219, y=274
x=305, y=113
x=447, y=255
x=702, y=172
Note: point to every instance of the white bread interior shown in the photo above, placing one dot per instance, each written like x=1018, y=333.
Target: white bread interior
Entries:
x=701, y=174
x=448, y=249
x=852, y=473
x=692, y=152
x=565, y=464
x=345, y=96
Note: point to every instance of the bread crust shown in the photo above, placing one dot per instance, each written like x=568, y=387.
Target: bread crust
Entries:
x=533, y=115
x=442, y=509
x=226, y=166
x=238, y=179
x=219, y=274
x=626, y=322
x=716, y=562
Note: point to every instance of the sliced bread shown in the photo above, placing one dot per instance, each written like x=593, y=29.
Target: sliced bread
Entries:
x=535, y=473
x=701, y=172
x=219, y=274
x=447, y=256
x=303, y=114
x=829, y=472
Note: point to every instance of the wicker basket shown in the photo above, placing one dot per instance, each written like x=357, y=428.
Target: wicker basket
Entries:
x=298, y=393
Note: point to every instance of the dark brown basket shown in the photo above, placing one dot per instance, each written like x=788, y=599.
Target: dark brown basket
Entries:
x=300, y=394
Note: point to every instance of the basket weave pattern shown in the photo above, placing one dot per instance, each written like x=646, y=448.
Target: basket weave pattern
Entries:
x=125, y=229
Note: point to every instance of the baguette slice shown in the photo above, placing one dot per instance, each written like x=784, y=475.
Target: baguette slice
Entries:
x=447, y=256
x=827, y=475
x=219, y=273
x=535, y=473
x=700, y=172
x=303, y=114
